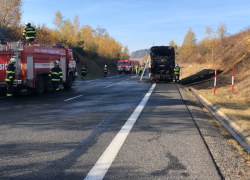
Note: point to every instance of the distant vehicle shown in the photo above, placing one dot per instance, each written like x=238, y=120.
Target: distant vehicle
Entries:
x=34, y=64
x=126, y=66
x=161, y=63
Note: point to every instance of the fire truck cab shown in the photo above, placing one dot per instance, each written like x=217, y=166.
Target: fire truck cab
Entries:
x=34, y=63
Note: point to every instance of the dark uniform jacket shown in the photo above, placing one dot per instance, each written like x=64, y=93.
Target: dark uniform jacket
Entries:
x=56, y=74
x=10, y=73
x=105, y=70
x=29, y=32
x=84, y=69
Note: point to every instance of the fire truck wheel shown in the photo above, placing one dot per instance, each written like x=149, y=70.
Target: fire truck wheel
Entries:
x=69, y=82
x=40, y=85
x=48, y=85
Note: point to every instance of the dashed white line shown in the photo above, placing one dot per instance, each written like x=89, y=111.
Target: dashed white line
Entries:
x=73, y=98
x=109, y=85
x=104, y=162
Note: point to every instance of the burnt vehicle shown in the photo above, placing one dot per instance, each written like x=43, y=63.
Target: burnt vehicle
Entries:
x=162, y=63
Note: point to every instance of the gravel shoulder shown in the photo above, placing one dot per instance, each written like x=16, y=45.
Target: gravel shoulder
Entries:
x=229, y=162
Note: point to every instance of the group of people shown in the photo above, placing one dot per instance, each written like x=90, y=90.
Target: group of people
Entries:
x=139, y=70
x=55, y=76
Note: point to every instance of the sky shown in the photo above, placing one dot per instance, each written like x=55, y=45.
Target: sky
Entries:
x=140, y=23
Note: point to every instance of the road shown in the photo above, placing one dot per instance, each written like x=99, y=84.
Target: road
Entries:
x=107, y=128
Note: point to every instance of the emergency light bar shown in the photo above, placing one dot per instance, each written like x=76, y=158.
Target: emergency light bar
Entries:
x=3, y=41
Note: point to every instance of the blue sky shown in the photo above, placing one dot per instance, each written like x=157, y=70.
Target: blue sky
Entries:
x=138, y=23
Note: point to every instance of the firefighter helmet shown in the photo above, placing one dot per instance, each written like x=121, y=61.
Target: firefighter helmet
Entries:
x=13, y=60
x=27, y=24
x=176, y=65
x=56, y=62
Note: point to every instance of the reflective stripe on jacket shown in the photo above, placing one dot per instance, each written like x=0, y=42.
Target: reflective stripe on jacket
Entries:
x=56, y=74
x=29, y=32
x=177, y=70
x=105, y=70
x=10, y=72
x=83, y=69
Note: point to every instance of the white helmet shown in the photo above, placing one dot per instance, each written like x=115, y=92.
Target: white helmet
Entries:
x=13, y=60
x=105, y=65
x=27, y=24
x=176, y=64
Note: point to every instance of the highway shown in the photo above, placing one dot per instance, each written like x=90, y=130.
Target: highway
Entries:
x=109, y=128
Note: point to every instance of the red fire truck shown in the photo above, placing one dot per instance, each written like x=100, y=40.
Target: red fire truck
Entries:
x=34, y=63
x=127, y=66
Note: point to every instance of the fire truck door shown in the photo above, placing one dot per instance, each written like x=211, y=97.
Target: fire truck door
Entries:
x=30, y=67
x=63, y=67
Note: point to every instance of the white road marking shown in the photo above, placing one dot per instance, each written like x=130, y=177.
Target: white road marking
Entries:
x=104, y=162
x=109, y=85
x=73, y=98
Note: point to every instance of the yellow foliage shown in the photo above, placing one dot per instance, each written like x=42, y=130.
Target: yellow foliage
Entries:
x=10, y=12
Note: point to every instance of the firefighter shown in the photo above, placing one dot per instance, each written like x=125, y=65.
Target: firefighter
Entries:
x=56, y=77
x=139, y=70
x=105, y=71
x=29, y=33
x=176, y=73
x=83, y=72
x=10, y=77
x=136, y=70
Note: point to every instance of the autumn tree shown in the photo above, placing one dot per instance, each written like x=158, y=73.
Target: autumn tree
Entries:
x=210, y=42
x=125, y=53
x=222, y=32
x=100, y=31
x=10, y=12
x=189, y=42
x=145, y=58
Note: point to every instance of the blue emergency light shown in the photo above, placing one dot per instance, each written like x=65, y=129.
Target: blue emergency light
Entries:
x=3, y=41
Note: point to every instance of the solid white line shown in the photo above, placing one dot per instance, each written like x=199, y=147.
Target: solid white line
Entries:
x=104, y=162
x=73, y=97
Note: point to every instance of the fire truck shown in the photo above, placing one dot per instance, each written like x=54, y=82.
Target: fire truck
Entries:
x=34, y=63
x=127, y=66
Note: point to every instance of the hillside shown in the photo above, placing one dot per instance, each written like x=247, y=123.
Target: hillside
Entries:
x=140, y=53
x=198, y=73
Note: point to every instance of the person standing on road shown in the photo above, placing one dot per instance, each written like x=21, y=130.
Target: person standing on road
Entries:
x=176, y=73
x=10, y=77
x=136, y=70
x=83, y=72
x=56, y=77
x=29, y=33
x=105, y=71
x=139, y=70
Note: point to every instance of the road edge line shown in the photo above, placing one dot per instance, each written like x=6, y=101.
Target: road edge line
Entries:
x=104, y=162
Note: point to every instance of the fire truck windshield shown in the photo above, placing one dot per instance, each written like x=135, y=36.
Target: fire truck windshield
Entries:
x=123, y=63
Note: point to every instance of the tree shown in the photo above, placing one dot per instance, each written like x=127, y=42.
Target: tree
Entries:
x=189, y=42
x=210, y=42
x=100, y=31
x=222, y=31
x=125, y=53
x=10, y=12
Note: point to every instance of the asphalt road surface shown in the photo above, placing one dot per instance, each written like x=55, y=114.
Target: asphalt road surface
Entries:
x=108, y=128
